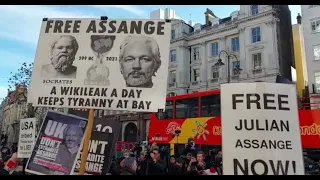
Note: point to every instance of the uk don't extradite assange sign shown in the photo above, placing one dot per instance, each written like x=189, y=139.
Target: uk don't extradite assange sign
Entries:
x=101, y=64
x=57, y=147
x=260, y=129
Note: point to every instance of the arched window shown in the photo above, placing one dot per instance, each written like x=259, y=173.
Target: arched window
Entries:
x=254, y=9
x=130, y=132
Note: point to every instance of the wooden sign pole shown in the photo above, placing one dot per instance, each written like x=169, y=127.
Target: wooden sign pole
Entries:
x=87, y=137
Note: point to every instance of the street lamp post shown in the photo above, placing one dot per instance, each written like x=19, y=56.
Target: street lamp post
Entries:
x=220, y=63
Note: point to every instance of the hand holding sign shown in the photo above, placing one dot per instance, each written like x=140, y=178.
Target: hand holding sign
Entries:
x=12, y=162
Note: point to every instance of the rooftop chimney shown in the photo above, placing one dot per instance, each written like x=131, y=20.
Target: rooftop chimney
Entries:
x=209, y=16
x=299, y=18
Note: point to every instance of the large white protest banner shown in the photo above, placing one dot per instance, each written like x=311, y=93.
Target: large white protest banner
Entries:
x=27, y=137
x=260, y=129
x=101, y=64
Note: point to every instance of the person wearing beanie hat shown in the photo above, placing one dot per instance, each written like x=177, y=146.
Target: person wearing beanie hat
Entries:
x=171, y=165
x=190, y=147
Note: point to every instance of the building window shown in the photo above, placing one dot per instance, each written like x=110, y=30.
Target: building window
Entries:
x=173, y=56
x=254, y=9
x=196, y=75
x=168, y=111
x=172, y=77
x=315, y=25
x=214, y=49
x=173, y=34
x=196, y=53
x=235, y=44
x=317, y=81
x=255, y=34
x=186, y=108
x=235, y=65
x=316, y=52
x=215, y=72
x=210, y=105
x=257, y=62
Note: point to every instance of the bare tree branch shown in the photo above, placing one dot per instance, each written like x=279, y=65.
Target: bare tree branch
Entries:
x=22, y=77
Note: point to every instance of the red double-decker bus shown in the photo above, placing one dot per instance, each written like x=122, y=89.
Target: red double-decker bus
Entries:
x=197, y=115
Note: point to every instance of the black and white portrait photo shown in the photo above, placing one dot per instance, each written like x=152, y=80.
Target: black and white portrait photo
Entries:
x=139, y=60
x=62, y=55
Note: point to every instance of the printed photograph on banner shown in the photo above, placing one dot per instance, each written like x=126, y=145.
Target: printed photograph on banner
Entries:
x=78, y=66
x=57, y=147
x=104, y=136
x=27, y=137
x=260, y=129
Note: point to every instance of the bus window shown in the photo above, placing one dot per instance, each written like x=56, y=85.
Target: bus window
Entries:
x=210, y=105
x=187, y=108
x=167, y=114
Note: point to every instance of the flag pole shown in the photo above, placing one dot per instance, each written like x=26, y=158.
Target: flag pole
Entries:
x=87, y=137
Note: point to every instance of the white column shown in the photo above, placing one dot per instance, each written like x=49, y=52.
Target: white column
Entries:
x=271, y=59
x=183, y=59
x=203, y=67
x=223, y=69
x=243, y=58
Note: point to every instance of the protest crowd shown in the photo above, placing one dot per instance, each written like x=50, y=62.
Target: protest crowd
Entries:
x=192, y=161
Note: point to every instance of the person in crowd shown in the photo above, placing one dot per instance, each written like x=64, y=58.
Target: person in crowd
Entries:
x=178, y=168
x=14, y=147
x=5, y=156
x=190, y=147
x=153, y=146
x=141, y=169
x=129, y=166
x=218, y=162
x=126, y=153
x=171, y=165
x=118, y=168
x=188, y=157
x=201, y=165
x=113, y=167
x=5, y=152
x=156, y=166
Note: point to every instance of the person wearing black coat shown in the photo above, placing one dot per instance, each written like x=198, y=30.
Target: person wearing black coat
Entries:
x=156, y=166
x=190, y=148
